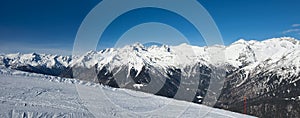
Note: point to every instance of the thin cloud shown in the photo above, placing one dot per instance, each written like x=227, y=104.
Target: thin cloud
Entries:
x=296, y=25
x=291, y=31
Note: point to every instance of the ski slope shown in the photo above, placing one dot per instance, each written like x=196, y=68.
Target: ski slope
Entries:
x=27, y=95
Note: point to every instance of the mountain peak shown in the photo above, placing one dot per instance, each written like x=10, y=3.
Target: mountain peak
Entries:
x=184, y=44
x=273, y=40
x=241, y=41
x=138, y=45
x=289, y=39
x=91, y=52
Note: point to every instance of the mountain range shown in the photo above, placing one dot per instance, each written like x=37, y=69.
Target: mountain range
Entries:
x=266, y=73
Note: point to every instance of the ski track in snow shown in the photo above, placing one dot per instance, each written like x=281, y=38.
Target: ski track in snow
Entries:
x=35, y=95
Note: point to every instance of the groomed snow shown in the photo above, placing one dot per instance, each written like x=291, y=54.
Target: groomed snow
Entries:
x=34, y=95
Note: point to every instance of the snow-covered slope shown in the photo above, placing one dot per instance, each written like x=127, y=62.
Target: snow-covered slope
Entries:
x=28, y=95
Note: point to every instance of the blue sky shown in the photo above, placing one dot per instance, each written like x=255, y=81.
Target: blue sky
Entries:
x=50, y=26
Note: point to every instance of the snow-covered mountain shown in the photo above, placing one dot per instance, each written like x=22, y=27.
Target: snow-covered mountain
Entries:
x=259, y=70
x=269, y=78
x=247, y=54
x=280, y=55
x=38, y=63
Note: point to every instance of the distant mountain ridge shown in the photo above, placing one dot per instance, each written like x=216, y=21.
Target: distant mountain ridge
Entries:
x=266, y=71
